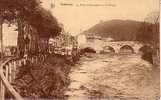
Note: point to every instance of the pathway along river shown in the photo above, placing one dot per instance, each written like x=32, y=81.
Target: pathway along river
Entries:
x=113, y=77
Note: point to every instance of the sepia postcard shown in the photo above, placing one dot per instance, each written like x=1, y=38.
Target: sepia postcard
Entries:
x=80, y=50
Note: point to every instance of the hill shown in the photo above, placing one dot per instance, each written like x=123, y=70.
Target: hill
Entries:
x=116, y=29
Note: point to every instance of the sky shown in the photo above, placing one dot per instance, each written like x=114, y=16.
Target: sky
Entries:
x=9, y=35
x=79, y=18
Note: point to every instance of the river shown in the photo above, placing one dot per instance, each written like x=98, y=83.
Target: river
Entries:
x=113, y=77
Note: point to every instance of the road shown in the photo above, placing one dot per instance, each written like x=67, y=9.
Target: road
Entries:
x=113, y=77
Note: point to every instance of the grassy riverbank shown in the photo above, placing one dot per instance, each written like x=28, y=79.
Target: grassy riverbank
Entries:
x=48, y=79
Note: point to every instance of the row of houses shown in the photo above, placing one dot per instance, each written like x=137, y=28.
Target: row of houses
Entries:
x=63, y=44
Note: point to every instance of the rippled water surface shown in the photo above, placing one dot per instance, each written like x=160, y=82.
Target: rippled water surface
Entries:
x=113, y=77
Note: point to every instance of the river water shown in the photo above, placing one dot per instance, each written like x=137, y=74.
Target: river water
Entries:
x=113, y=77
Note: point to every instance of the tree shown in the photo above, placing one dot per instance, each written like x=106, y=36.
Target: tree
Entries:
x=149, y=30
x=149, y=34
x=28, y=12
x=31, y=12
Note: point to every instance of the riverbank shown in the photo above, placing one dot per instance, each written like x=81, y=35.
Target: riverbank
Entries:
x=48, y=79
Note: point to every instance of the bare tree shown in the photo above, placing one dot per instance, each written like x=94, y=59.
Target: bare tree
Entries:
x=152, y=17
x=149, y=34
x=149, y=30
x=153, y=20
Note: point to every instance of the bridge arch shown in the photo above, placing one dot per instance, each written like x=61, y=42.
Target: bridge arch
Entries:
x=109, y=49
x=146, y=53
x=126, y=49
x=145, y=49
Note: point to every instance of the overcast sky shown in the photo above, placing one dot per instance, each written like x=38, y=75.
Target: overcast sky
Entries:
x=79, y=18
x=76, y=18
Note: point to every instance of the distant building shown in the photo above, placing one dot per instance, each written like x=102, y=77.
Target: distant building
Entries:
x=93, y=41
x=63, y=44
x=82, y=40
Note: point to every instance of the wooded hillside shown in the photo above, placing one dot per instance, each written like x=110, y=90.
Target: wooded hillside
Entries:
x=117, y=29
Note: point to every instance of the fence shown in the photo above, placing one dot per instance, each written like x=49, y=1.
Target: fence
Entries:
x=8, y=70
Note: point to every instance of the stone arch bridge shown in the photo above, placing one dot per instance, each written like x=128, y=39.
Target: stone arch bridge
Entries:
x=117, y=46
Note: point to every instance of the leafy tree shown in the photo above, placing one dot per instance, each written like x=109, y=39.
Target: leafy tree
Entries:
x=31, y=12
